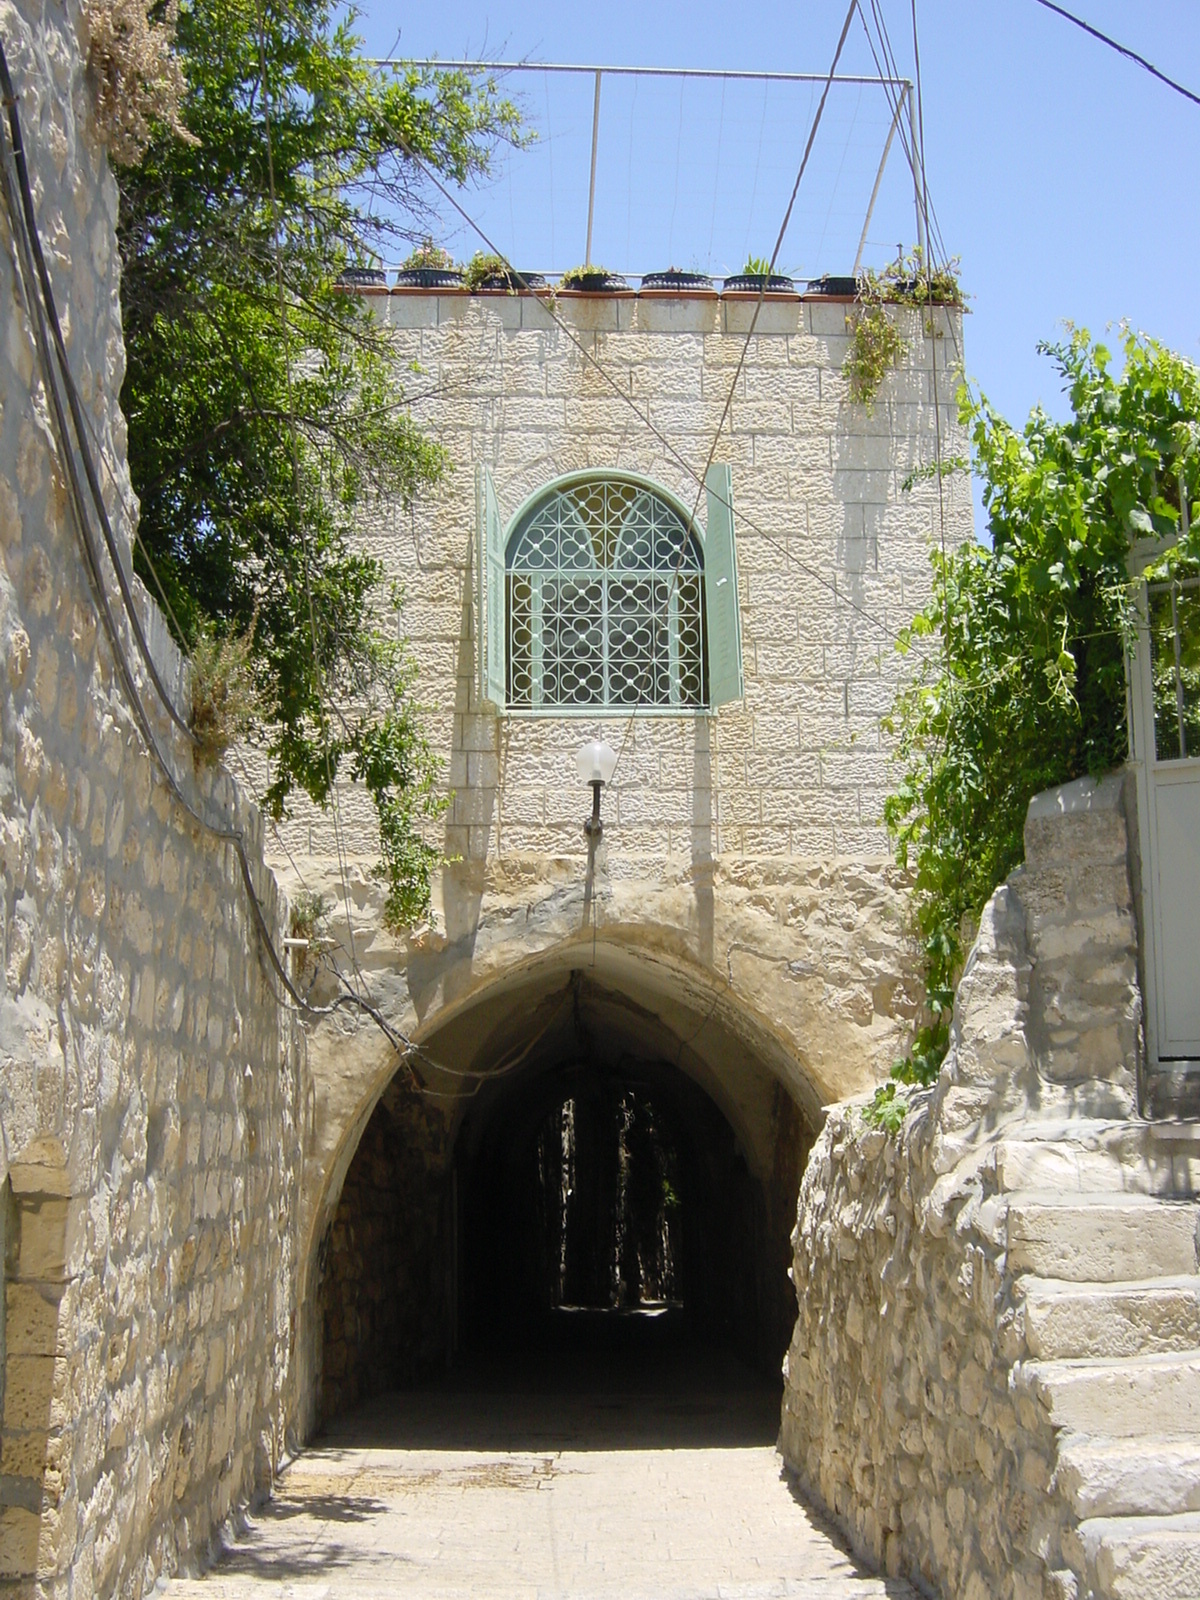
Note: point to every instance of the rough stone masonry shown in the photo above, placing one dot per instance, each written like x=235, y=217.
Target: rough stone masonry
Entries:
x=993, y=1381
x=152, y=1099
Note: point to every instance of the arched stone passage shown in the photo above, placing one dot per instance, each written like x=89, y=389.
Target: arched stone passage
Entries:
x=442, y=1239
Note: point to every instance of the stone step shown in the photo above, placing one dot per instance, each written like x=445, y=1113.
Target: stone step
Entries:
x=1101, y=1237
x=1141, y=1477
x=1063, y=1167
x=1120, y=1399
x=1138, y=1558
x=1065, y=1321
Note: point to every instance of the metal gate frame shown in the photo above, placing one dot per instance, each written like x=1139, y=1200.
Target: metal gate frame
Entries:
x=1168, y=1053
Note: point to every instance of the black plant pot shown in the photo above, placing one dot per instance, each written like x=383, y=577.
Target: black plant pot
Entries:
x=757, y=283
x=514, y=281
x=842, y=287
x=677, y=280
x=429, y=278
x=362, y=278
x=595, y=283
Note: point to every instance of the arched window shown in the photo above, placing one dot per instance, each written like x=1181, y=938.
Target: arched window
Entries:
x=605, y=601
x=604, y=594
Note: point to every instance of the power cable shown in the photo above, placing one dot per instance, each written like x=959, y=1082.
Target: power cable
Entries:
x=643, y=417
x=1121, y=49
x=296, y=476
x=37, y=293
x=702, y=478
x=712, y=231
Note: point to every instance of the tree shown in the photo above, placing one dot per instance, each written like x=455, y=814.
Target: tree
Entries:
x=1024, y=686
x=262, y=401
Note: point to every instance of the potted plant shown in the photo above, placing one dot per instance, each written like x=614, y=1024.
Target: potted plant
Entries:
x=674, y=280
x=839, y=288
x=362, y=278
x=756, y=277
x=490, y=273
x=590, y=279
x=429, y=267
x=911, y=281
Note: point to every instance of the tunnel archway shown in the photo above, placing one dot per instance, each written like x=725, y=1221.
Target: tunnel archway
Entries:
x=574, y=1163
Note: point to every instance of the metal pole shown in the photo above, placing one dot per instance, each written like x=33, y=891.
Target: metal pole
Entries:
x=587, y=255
x=879, y=179
x=432, y=64
x=916, y=172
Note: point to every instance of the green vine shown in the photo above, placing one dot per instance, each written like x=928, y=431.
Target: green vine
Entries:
x=876, y=346
x=1026, y=686
x=912, y=281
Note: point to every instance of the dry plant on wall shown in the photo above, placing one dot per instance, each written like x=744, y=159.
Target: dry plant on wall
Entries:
x=137, y=79
x=225, y=702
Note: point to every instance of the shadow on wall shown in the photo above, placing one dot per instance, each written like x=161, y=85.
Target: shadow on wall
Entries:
x=589, y=1180
x=384, y=1285
x=34, y=1213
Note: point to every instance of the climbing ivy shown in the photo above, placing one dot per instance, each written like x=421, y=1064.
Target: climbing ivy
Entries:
x=1020, y=679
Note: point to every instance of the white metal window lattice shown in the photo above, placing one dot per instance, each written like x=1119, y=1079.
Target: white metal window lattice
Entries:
x=605, y=601
x=604, y=594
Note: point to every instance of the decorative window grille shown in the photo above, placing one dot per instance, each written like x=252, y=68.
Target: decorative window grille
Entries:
x=605, y=601
x=602, y=595
x=1174, y=618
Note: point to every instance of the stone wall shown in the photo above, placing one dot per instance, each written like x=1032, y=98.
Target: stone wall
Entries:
x=903, y=1410
x=385, y=1274
x=152, y=1099
x=744, y=856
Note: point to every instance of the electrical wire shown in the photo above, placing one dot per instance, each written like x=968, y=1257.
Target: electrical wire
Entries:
x=702, y=478
x=1121, y=49
x=643, y=417
x=712, y=231
x=296, y=478
x=36, y=290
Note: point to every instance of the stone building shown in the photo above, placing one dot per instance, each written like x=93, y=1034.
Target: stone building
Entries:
x=667, y=525
x=215, y=1225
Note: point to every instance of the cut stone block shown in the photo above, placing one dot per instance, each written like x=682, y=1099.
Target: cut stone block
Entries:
x=1101, y=1238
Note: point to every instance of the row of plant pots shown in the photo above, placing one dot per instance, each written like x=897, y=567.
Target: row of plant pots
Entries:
x=589, y=281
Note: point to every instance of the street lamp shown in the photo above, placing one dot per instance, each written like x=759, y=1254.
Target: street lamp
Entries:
x=596, y=762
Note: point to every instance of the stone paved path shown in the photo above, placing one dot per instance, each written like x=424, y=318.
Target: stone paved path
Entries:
x=547, y=1488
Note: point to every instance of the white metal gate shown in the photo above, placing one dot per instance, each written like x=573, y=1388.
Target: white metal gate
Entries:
x=1164, y=696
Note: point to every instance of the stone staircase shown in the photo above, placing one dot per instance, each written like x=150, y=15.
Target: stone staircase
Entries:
x=1102, y=1245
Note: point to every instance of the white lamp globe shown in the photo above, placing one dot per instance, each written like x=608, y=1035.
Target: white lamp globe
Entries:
x=596, y=761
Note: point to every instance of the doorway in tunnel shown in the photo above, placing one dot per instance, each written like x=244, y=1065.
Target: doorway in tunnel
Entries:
x=594, y=1202
x=605, y=1208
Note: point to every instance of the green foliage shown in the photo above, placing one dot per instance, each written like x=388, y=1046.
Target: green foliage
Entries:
x=757, y=267
x=574, y=277
x=484, y=267
x=886, y=1109
x=912, y=281
x=1021, y=684
x=225, y=700
x=262, y=402
x=428, y=257
x=309, y=914
x=876, y=346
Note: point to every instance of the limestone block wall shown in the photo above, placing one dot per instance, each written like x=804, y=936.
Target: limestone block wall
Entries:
x=744, y=847
x=152, y=1098
x=902, y=1410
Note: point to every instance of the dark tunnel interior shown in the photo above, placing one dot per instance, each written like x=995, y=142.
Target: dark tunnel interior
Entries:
x=592, y=1212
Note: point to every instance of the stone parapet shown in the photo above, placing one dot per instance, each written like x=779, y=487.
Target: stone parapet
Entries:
x=935, y=1374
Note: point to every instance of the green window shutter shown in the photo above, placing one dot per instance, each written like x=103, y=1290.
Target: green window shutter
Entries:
x=721, y=592
x=490, y=589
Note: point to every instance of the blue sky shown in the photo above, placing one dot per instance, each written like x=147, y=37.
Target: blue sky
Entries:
x=1062, y=175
